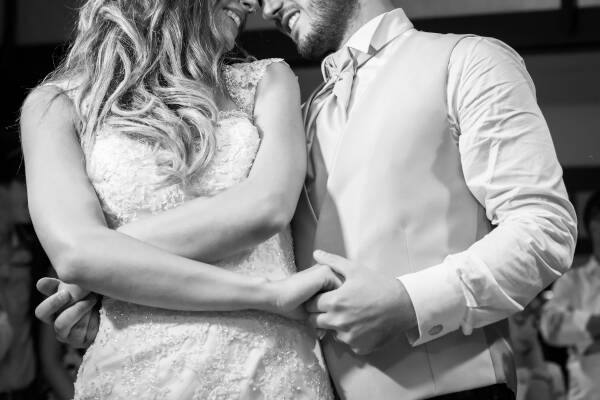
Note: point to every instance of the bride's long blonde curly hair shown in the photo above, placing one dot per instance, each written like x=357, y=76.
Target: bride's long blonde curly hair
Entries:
x=150, y=69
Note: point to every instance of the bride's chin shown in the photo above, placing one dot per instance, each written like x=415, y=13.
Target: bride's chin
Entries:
x=229, y=44
x=229, y=41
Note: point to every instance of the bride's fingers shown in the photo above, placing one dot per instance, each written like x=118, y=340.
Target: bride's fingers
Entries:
x=325, y=278
x=320, y=321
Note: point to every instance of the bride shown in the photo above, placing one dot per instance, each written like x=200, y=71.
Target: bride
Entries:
x=164, y=179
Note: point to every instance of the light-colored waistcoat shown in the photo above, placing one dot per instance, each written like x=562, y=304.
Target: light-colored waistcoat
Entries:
x=397, y=202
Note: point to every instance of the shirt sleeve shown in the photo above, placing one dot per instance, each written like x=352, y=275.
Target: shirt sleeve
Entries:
x=510, y=166
x=563, y=321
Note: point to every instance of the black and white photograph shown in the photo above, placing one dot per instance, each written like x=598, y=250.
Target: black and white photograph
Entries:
x=300, y=200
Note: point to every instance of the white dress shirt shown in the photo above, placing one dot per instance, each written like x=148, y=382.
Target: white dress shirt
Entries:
x=501, y=133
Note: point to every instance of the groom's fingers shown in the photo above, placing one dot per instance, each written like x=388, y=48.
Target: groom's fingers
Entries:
x=319, y=304
x=67, y=319
x=47, y=286
x=92, y=330
x=77, y=333
x=47, y=309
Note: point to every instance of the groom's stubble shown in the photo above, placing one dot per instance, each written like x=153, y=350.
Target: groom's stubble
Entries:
x=328, y=28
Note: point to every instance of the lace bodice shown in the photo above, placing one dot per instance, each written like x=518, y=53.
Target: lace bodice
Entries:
x=147, y=353
x=124, y=171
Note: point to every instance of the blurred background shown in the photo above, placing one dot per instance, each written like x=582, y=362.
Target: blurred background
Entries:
x=559, y=40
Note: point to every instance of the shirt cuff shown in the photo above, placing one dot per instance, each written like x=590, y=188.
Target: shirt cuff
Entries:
x=438, y=300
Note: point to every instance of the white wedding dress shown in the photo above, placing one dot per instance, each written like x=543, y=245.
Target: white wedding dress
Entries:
x=148, y=353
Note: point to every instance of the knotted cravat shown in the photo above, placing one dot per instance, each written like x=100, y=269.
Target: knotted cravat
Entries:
x=330, y=106
x=339, y=70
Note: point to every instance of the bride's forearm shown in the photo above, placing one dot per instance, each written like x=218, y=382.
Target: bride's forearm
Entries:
x=209, y=229
x=70, y=224
x=123, y=268
x=212, y=228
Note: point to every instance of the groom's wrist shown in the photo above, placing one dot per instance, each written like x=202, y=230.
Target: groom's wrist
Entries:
x=438, y=302
x=406, y=309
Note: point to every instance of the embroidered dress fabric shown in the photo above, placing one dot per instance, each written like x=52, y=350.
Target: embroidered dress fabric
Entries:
x=148, y=353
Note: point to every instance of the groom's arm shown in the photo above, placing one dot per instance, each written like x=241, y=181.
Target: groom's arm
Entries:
x=510, y=166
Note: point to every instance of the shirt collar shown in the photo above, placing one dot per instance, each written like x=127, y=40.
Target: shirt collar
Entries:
x=376, y=33
x=361, y=39
x=369, y=39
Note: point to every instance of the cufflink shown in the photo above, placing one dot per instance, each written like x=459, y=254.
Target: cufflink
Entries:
x=436, y=330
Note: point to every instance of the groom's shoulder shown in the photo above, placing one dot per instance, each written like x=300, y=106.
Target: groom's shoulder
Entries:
x=476, y=52
x=465, y=44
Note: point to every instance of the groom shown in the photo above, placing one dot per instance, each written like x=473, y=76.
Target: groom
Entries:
x=419, y=145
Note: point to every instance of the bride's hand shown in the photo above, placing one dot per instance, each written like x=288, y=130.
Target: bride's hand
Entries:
x=288, y=295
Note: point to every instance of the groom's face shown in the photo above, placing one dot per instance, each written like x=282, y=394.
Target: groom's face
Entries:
x=316, y=26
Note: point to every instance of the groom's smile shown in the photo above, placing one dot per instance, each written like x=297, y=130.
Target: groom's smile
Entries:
x=291, y=17
x=316, y=26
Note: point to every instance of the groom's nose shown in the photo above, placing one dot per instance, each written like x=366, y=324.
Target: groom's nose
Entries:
x=270, y=8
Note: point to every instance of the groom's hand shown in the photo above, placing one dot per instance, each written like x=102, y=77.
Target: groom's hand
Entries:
x=366, y=311
x=71, y=310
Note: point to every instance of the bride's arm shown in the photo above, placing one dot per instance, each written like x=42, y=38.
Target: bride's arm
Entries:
x=209, y=229
x=70, y=224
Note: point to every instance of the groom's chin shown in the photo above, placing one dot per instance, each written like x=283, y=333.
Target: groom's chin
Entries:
x=310, y=49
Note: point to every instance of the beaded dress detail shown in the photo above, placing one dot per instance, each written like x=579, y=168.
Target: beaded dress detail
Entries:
x=149, y=353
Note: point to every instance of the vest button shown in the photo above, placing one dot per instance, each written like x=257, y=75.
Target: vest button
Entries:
x=436, y=330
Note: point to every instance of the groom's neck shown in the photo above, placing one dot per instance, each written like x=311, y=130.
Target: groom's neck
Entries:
x=366, y=11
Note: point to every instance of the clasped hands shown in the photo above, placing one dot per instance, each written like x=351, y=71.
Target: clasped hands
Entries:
x=356, y=305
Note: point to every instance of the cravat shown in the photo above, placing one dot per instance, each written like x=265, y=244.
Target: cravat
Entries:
x=339, y=70
x=330, y=105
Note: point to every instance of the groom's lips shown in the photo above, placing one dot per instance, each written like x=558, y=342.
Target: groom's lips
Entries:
x=284, y=22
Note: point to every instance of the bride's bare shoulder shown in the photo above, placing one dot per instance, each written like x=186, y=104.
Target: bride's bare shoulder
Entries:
x=46, y=104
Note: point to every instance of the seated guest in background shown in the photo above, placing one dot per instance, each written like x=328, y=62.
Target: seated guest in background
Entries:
x=538, y=379
x=6, y=331
x=572, y=317
x=17, y=363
